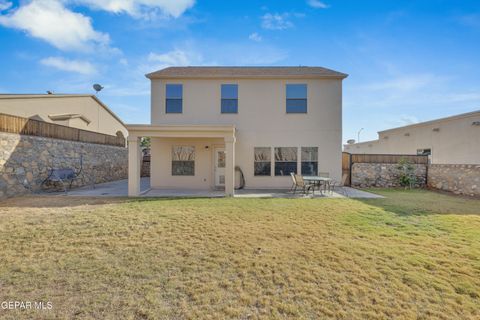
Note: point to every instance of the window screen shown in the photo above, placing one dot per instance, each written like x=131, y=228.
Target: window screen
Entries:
x=229, y=103
x=309, y=161
x=262, y=161
x=285, y=161
x=296, y=98
x=174, y=98
x=183, y=161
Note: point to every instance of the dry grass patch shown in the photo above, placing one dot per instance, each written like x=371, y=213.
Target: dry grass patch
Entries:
x=413, y=255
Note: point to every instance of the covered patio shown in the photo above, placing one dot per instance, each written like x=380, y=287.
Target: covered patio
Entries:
x=161, y=172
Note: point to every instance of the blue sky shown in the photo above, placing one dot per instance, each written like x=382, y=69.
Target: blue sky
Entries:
x=408, y=61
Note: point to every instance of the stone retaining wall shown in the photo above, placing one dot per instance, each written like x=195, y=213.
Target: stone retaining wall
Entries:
x=145, y=170
x=25, y=161
x=457, y=178
x=383, y=175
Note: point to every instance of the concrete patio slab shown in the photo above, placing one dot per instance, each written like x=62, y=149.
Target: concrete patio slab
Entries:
x=120, y=189
x=340, y=192
x=117, y=188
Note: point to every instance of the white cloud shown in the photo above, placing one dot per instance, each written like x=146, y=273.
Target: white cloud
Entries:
x=50, y=21
x=471, y=20
x=404, y=83
x=141, y=8
x=276, y=21
x=406, y=119
x=317, y=4
x=175, y=57
x=77, y=66
x=4, y=5
x=218, y=53
x=255, y=37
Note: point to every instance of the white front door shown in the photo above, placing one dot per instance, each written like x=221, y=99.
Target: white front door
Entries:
x=219, y=167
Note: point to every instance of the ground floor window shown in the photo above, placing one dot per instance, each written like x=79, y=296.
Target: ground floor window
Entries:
x=309, y=161
x=424, y=152
x=183, y=161
x=285, y=161
x=262, y=161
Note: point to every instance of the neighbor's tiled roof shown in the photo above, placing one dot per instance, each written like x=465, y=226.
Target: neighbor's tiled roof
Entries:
x=246, y=72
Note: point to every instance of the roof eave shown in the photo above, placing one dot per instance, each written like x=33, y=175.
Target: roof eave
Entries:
x=153, y=76
x=431, y=122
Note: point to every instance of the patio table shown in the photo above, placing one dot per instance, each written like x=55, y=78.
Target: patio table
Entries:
x=316, y=180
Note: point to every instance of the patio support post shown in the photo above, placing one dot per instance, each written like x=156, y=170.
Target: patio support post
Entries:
x=134, y=163
x=229, y=166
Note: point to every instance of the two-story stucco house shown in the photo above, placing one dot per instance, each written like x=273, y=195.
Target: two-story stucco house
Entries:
x=266, y=121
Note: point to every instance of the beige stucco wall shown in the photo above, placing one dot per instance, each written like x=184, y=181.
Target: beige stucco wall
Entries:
x=41, y=107
x=456, y=142
x=161, y=163
x=261, y=121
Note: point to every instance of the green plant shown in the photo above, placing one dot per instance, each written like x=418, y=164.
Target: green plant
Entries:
x=406, y=175
x=145, y=142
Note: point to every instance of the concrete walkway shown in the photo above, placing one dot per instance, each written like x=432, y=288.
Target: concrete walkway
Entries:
x=120, y=189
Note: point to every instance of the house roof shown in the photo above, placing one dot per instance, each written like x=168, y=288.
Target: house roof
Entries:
x=420, y=124
x=450, y=118
x=246, y=72
x=53, y=96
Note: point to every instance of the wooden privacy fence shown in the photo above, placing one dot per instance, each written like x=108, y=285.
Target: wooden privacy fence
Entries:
x=31, y=127
x=349, y=159
x=388, y=158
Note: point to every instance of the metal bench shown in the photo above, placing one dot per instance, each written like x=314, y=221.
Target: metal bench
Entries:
x=64, y=176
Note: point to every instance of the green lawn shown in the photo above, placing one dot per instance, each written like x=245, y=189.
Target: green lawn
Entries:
x=415, y=254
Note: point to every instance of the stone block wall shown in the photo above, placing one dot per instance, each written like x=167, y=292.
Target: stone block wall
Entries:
x=145, y=170
x=457, y=178
x=383, y=175
x=25, y=161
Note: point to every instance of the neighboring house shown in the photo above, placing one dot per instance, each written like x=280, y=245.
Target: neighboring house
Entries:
x=451, y=140
x=80, y=111
x=267, y=121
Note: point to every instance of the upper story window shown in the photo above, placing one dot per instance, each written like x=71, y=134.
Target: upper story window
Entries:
x=174, y=97
x=296, y=98
x=229, y=98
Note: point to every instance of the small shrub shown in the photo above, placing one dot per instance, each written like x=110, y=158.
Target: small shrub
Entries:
x=406, y=177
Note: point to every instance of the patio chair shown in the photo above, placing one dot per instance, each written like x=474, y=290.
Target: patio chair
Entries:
x=326, y=184
x=294, y=185
x=301, y=184
x=331, y=186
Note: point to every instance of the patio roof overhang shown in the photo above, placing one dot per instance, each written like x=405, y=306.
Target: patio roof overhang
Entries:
x=181, y=131
x=136, y=131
